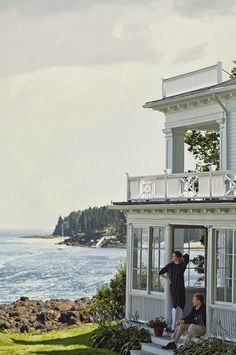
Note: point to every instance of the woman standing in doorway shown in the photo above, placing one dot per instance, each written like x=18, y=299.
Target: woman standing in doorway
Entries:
x=174, y=272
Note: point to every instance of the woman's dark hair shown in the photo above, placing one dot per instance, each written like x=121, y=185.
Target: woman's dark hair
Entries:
x=178, y=254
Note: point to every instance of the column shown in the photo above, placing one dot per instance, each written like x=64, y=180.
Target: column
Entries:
x=210, y=274
x=223, y=144
x=175, y=149
x=128, y=306
x=169, y=240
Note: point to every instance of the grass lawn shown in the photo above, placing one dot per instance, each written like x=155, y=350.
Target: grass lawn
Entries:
x=71, y=341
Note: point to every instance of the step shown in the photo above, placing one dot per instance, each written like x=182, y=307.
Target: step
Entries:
x=165, y=339
x=139, y=352
x=155, y=349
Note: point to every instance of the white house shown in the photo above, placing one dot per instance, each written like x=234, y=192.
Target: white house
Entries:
x=191, y=212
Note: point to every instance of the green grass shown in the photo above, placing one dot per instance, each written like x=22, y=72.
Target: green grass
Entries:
x=74, y=341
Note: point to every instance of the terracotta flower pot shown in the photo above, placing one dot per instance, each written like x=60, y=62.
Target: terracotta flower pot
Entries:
x=158, y=331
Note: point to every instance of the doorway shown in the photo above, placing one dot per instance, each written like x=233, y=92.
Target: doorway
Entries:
x=192, y=240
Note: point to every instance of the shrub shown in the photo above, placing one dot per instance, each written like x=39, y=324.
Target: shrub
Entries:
x=207, y=347
x=109, y=301
x=119, y=339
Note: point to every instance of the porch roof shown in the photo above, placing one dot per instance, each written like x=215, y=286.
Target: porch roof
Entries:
x=213, y=89
x=187, y=200
x=189, y=203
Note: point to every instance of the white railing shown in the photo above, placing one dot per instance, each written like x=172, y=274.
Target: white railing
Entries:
x=193, y=80
x=194, y=185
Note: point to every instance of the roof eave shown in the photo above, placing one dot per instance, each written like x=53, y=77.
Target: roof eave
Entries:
x=165, y=102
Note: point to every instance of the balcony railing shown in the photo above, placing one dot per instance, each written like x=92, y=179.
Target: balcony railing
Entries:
x=184, y=186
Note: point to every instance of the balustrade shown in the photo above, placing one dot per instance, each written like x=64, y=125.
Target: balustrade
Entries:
x=194, y=185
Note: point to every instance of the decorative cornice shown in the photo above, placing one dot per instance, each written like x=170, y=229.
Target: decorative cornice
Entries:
x=183, y=103
x=181, y=210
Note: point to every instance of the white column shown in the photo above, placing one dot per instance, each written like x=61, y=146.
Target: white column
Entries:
x=128, y=307
x=210, y=280
x=223, y=144
x=175, y=150
x=169, y=244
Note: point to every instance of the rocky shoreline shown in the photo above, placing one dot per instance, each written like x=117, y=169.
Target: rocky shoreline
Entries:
x=25, y=315
x=76, y=242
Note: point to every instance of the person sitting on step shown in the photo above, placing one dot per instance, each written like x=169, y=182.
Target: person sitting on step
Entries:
x=194, y=324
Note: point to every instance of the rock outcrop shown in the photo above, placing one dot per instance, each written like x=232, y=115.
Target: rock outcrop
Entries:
x=25, y=315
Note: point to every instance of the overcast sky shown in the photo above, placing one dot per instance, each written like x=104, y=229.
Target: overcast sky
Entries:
x=74, y=75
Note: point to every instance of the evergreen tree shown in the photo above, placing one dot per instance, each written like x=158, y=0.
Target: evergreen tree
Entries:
x=93, y=223
x=59, y=227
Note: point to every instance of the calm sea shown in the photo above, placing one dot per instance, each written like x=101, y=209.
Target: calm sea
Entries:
x=41, y=269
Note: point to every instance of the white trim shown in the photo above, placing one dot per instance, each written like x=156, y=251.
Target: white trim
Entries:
x=223, y=306
x=187, y=96
x=158, y=296
x=233, y=304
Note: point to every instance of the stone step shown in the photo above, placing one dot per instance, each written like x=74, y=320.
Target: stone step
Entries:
x=155, y=349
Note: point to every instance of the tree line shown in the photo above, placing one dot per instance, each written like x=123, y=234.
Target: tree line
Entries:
x=92, y=223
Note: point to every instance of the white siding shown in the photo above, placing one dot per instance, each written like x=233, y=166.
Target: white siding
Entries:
x=148, y=308
x=224, y=323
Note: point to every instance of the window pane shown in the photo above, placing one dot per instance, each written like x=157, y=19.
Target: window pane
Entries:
x=197, y=260
x=144, y=237
x=144, y=258
x=225, y=241
x=140, y=279
x=137, y=237
x=224, y=263
x=135, y=258
x=181, y=238
x=196, y=238
x=135, y=278
x=143, y=279
x=224, y=291
x=157, y=282
x=155, y=258
x=156, y=238
x=162, y=258
x=195, y=278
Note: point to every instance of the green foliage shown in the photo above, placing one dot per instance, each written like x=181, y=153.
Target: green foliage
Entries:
x=233, y=71
x=159, y=321
x=119, y=339
x=205, y=145
x=205, y=148
x=207, y=347
x=92, y=223
x=109, y=301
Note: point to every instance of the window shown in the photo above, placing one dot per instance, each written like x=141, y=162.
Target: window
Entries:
x=157, y=258
x=140, y=258
x=148, y=258
x=192, y=241
x=226, y=265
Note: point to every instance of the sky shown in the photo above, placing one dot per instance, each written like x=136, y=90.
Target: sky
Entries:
x=74, y=75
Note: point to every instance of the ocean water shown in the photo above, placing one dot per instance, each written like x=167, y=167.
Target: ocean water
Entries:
x=41, y=269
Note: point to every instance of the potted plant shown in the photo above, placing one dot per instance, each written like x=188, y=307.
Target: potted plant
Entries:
x=158, y=324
